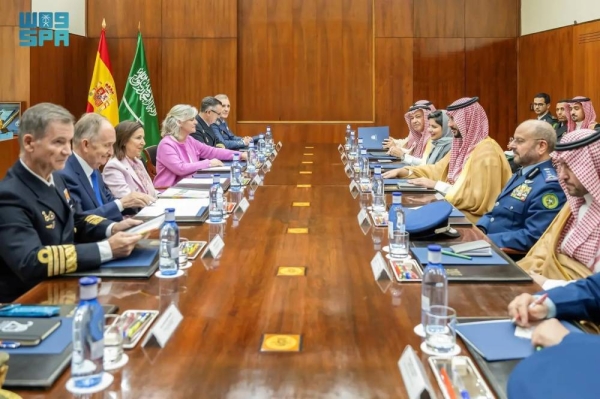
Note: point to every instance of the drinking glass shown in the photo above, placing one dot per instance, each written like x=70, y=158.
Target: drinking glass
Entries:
x=440, y=329
x=113, y=339
x=399, y=244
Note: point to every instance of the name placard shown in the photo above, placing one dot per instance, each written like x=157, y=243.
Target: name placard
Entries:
x=214, y=248
x=278, y=146
x=266, y=165
x=343, y=157
x=242, y=206
x=348, y=170
x=274, y=153
x=164, y=327
x=379, y=267
x=416, y=381
x=353, y=186
x=340, y=148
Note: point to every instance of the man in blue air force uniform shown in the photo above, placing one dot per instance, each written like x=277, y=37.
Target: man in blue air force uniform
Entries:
x=532, y=197
x=42, y=232
x=567, y=366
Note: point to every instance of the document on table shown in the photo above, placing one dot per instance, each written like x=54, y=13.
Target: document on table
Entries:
x=183, y=207
x=184, y=193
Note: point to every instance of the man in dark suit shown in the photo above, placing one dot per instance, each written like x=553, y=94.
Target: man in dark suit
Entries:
x=541, y=107
x=92, y=147
x=567, y=367
x=532, y=197
x=210, y=111
x=563, y=112
x=222, y=131
x=42, y=232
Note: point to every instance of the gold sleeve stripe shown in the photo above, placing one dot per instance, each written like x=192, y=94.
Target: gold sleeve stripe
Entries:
x=71, y=258
x=94, y=219
x=59, y=259
x=56, y=260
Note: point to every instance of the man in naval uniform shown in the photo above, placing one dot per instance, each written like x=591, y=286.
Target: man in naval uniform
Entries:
x=42, y=232
x=532, y=197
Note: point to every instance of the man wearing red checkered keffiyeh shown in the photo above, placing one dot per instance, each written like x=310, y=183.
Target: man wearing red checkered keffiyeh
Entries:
x=473, y=174
x=570, y=247
x=582, y=114
x=417, y=120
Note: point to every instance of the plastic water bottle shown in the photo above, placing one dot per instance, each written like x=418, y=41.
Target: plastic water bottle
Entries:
x=261, y=148
x=87, y=363
x=252, y=159
x=378, y=190
x=396, y=219
x=363, y=168
x=169, y=244
x=434, y=288
x=360, y=144
x=352, y=150
x=347, y=142
x=235, y=184
x=215, y=212
x=269, y=141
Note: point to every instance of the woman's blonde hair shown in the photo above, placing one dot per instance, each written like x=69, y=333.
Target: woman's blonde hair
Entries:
x=179, y=113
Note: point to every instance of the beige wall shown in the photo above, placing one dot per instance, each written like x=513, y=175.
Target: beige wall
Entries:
x=541, y=15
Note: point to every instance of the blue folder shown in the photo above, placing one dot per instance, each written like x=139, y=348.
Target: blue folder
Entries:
x=494, y=260
x=54, y=344
x=140, y=257
x=393, y=165
x=393, y=182
x=372, y=157
x=495, y=340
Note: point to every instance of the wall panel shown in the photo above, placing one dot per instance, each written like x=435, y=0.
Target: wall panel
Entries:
x=491, y=18
x=9, y=15
x=393, y=18
x=545, y=65
x=394, y=83
x=306, y=60
x=122, y=17
x=15, y=67
x=439, y=70
x=52, y=66
x=188, y=82
x=439, y=18
x=586, y=50
x=199, y=18
x=492, y=75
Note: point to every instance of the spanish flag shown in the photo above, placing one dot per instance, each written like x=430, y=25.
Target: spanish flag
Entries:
x=102, y=98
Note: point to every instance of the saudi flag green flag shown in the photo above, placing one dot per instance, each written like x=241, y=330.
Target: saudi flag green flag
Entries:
x=138, y=102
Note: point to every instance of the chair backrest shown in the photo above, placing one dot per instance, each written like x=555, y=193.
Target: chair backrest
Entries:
x=150, y=161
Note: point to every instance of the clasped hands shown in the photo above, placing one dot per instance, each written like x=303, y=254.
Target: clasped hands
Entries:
x=547, y=333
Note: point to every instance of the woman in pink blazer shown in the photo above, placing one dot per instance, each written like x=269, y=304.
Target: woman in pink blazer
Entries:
x=125, y=173
x=178, y=155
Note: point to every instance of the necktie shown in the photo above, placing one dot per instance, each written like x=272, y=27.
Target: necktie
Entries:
x=96, y=187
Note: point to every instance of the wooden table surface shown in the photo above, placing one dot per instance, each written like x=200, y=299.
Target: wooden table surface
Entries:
x=353, y=332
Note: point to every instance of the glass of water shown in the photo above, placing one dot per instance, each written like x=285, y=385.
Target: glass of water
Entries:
x=440, y=329
x=113, y=339
x=399, y=244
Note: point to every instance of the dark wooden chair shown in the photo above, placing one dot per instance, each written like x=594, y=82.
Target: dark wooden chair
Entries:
x=150, y=160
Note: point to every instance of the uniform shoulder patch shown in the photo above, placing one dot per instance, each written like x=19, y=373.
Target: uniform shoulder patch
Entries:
x=549, y=174
x=550, y=201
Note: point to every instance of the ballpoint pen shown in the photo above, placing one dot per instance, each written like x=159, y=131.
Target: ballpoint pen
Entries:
x=533, y=304
x=137, y=325
x=454, y=254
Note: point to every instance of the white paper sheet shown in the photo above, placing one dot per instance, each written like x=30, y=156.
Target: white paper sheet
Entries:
x=187, y=207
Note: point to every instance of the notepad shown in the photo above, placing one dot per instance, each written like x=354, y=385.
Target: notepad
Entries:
x=140, y=257
x=27, y=331
x=471, y=246
x=174, y=192
x=493, y=260
x=184, y=207
x=495, y=340
x=54, y=344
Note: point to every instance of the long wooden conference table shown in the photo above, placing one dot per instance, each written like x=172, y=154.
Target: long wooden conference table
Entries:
x=352, y=332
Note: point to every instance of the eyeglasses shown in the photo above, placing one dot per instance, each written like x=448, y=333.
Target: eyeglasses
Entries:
x=520, y=141
x=214, y=112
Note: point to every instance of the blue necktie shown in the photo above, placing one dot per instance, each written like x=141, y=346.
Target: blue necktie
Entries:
x=96, y=187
